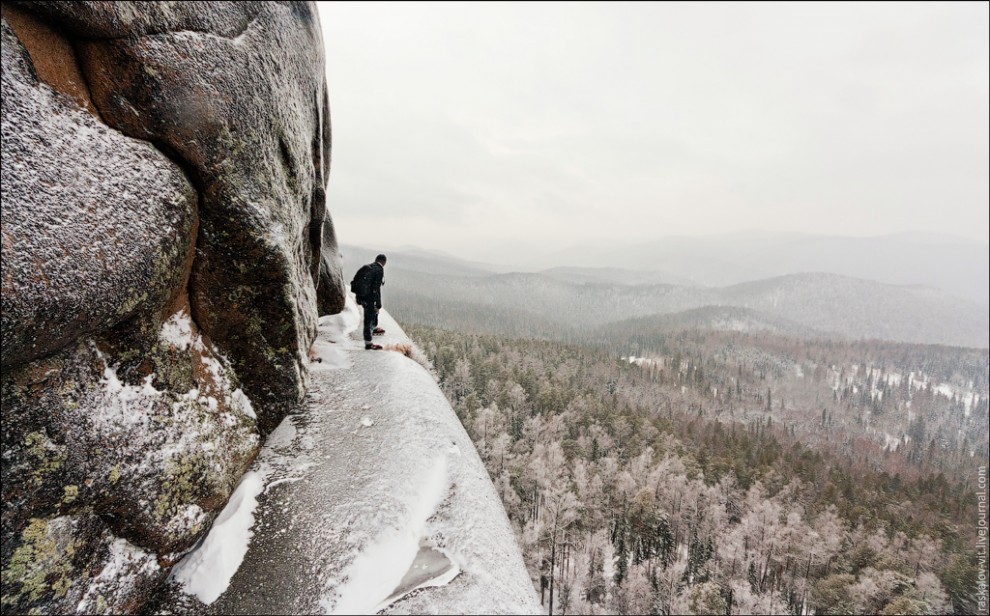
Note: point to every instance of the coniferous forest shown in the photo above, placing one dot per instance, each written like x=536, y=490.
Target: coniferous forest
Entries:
x=729, y=473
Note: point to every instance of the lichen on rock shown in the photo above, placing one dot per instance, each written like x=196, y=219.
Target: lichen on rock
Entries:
x=73, y=563
x=153, y=463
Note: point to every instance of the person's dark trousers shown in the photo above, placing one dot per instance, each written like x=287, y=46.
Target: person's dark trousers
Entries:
x=370, y=319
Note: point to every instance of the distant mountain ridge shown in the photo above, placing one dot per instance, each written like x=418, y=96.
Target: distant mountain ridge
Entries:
x=956, y=265
x=614, y=275
x=414, y=259
x=719, y=318
x=434, y=290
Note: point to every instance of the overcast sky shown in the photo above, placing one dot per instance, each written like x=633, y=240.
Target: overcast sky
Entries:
x=463, y=127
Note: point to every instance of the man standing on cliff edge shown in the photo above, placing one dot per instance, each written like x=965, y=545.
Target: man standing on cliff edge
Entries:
x=367, y=288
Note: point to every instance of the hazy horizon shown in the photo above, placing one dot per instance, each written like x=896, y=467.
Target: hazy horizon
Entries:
x=466, y=128
x=949, y=263
x=923, y=237
x=522, y=256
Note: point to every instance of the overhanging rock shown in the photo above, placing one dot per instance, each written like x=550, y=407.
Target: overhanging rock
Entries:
x=235, y=93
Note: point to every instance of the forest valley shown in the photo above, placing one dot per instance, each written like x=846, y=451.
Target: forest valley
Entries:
x=730, y=473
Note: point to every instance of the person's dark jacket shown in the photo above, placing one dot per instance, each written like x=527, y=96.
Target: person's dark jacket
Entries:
x=375, y=284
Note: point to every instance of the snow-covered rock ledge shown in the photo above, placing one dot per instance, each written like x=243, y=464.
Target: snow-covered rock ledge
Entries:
x=373, y=498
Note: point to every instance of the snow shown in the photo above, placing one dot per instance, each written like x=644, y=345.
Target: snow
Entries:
x=279, y=482
x=283, y=435
x=329, y=352
x=337, y=328
x=241, y=400
x=188, y=517
x=123, y=566
x=380, y=567
x=127, y=395
x=374, y=498
x=153, y=433
x=642, y=361
x=968, y=398
x=431, y=568
x=206, y=571
x=328, y=356
x=177, y=331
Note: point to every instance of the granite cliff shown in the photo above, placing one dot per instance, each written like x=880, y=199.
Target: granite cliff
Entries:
x=166, y=253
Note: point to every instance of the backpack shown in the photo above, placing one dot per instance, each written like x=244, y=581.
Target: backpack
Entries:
x=361, y=285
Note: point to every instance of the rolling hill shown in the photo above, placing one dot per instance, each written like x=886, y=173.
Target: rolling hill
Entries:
x=436, y=290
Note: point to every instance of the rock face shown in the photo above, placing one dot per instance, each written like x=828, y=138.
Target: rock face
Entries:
x=69, y=183
x=165, y=249
x=331, y=274
x=237, y=94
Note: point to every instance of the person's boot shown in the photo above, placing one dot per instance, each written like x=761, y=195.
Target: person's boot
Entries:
x=378, y=331
x=370, y=346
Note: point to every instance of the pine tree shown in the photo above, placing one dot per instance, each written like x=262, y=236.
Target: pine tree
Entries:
x=621, y=557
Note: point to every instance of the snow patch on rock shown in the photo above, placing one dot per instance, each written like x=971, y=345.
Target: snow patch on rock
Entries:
x=206, y=571
x=125, y=563
x=177, y=330
x=381, y=566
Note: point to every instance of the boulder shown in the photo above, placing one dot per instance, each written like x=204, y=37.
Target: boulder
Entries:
x=244, y=110
x=153, y=458
x=165, y=251
x=96, y=226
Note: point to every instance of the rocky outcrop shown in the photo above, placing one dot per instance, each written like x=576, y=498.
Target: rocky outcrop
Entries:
x=165, y=247
x=70, y=184
x=237, y=94
x=331, y=274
